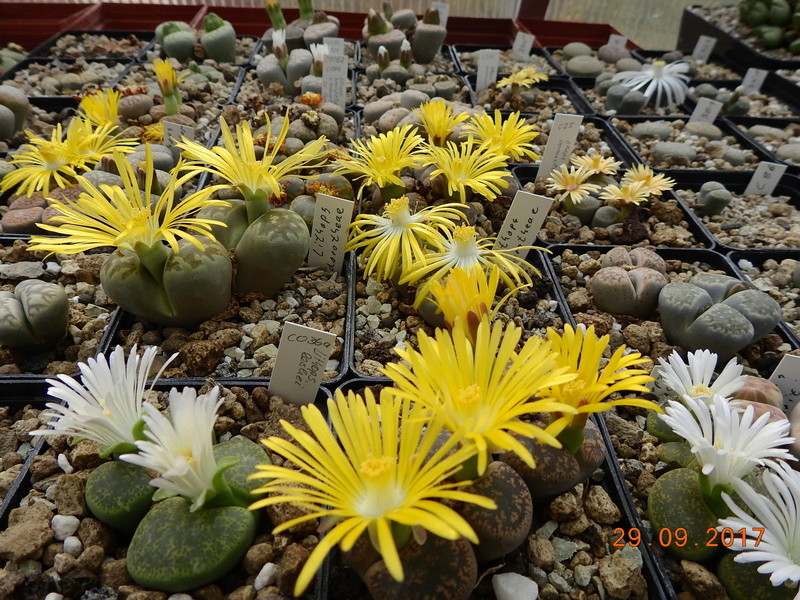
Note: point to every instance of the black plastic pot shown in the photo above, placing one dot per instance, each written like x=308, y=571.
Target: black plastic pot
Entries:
x=11, y=74
x=551, y=53
x=587, y=83
x=250, y=73
x=774, y=85
x=742, y=123
x=460, y=80
x=470, y=69
x=44, y=49
x=562, y=85
x=365, y=59
x=716, y=58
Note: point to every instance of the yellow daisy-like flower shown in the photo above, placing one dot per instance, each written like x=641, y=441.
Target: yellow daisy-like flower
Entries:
x=167, y=77
x=125, y=217
x=524, y=78
x=570, y=183
x=463, y=249
x=581, y=351
x=653, y=185
x=397, y=240
x=381, y=159
x=482, y=389
x=626, y=195
x=381, y=471
x=477, y=167
x=511, y=137
x=438, y=120
x=596, y=164
x=91, y=144
x=101, y=108
x=153, y=134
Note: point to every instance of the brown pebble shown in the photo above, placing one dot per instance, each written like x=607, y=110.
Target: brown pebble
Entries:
x=257, y=556
x=92, y=532
x=91, y=558
x=114, y=573
x=208, y=592
x=292, y=561
x=23, y=220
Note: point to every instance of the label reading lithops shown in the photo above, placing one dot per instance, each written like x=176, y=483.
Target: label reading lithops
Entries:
x=560, y=143
x=334, y=79
x=332, y=216
x=703, y=48
x=765, y=179
x=488, y=64
x=303, y=353
x=175, y=132
x=705, y=111
x=523, y=221
x=335, y=45
x=617, y=41
x=787, y=377
x=753, y=80
x=444, y=11
x=523, y=43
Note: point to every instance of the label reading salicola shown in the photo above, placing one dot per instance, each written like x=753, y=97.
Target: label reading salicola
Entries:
x=303, y=353
x=523, y=43
x=560, y=143
x=523, y=221
x=765, y=179
x=175, y=132
x=332, y=216
x=705, y=111
x=488, y=65
x=703, y=48
x=334, y=79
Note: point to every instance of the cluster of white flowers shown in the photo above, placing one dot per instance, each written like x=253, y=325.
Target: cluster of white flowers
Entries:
x=728, y=444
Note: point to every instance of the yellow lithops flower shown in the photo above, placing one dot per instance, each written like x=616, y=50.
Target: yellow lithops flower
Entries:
x=166, y=77
x=482, y=388
x=153, y=134
x=381, y=159
x=652, y=184
x=398, y=239
x=469, y=166
x=438, y=119
x=570, y=184
x=511, y=137
x=101, y=108
x=381, y=471
x=595, y=164
x=523, y=78
x=625, y=195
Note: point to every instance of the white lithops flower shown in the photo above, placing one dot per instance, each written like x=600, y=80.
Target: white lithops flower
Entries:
x=106, y=406
x=773, y=528
x=319, y=52
x=179, y=448
x=694, y=379
x=278, y=37
x=726, y=441
x=669, y=81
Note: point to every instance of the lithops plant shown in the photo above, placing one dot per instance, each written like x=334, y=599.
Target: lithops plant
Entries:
x=664, y=85
x=713, y=198
x=734, y=103
x=218, y=39
x=716, y=312
x=35, y=314
x=284, y=67
x=629, y=283
x=399, y=71
x=177, y=39
x=14, y=108
x=428, y=37
x=378, y=32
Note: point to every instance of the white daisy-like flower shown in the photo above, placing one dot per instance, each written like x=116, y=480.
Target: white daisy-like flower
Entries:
x=107, y=406
x=773, y=530
x=179, y=448
x=669, y=81
x=694, y=379
x=278, y=37
x=726, y=441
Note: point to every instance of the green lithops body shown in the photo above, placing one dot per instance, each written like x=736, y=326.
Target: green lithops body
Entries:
x=167, y=27
x=428, y=37
x=17, y=102
x=743, y=581
x=656, y=426
x=676, y=453
x=633, y=292
x=675, y=503
x=270, y=251
x=249, y=454
x=174, y=550
x=218, y=39
x=178, y=41
x=119, y=494
x=35, y=314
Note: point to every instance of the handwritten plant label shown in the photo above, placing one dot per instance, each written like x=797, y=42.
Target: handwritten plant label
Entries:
x=616, y=40
x=705, y=111
x=523, y=221
x=753, y=80
x=303, y=353
x=444, y=12
x=174, y=132
x=765, y=179
x=703, y=48
x=787, y=377
x=335, y=45
x=332, y=216
x=560, y=143
x=523, y=42
x=334, y=79
x=488, y=64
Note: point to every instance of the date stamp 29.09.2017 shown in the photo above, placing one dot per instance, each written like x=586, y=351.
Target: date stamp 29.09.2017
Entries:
x=725, y=537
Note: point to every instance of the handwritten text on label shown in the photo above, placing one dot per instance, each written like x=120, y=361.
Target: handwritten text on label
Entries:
x=522, y=45
x=703, y=48
x=173, y=132
x=560, y=143
x=335, y=45
x=705, y=111
x=488, y=64
x=765, y=179
x=334, y=79
x=299, y=367
x=753, y=80
x=329, y=232
x=787, y=377
x=523, y=221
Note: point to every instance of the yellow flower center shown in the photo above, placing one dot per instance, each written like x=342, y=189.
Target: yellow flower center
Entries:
x=699, y=390
x=465, y=246
x=52, y=159
x=469, y=396
x=376, y=468
x=464, y=233
x=397, y=211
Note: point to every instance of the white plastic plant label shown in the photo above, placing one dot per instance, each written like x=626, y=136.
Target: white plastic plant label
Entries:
x=488, y=65
x=765, y=179
x=523, y=43
x=334, y=79
x=335, y=45
x=560, y=143
x=303, y=353
x=787, y=377
x=703, y=48
x=332, y=216
x=523, y=221
x=616, y=40
x=175, y=132
x=705, y=111
x=753, y=80
x=444, y=11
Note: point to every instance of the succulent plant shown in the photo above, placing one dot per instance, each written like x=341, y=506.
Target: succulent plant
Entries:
x=35, y=314
x=14, y=108
x=632, y=292
x=399, y=70
x=665, y=85
x=716, y=312
x=378, y=32
x=280, y=67
x=218, y=39
x=428, y=37
x=713, y=198
x=775, y=22
x=734, y=103
x=177, y=39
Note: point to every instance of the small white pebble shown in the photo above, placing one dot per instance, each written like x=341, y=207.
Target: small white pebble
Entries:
x=180, y=597
x=54, y=596
x=64, y=526
x=64, y=464
x=53, y=267
x=73, y=545
x=266, y=576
